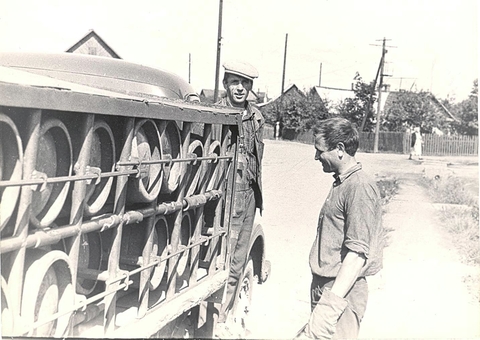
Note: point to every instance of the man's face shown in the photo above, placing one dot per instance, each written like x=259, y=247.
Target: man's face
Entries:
x=327, y=158
x=237, y=89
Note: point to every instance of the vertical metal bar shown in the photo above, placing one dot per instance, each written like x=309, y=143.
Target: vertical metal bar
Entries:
x=15, y=279
x=143, y=291
x=198, y=221
x=79, y=191
x=222, y=212
x=175, y=238
x=119, y=209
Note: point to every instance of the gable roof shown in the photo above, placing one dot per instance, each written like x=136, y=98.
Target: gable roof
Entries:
x=93, y=35
x=391, y=96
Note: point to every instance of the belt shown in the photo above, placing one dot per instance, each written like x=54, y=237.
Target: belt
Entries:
x=244, y=185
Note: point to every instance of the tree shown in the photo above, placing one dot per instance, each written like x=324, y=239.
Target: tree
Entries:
x=299, y=113
x=467, y=112
x=359, y=109
x=413, y=109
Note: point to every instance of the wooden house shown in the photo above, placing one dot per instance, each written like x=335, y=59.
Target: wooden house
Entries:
x=93, y=44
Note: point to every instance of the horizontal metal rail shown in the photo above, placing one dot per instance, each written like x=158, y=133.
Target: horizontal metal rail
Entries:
x=125, y=275
x=60, y=179
x=47, y=237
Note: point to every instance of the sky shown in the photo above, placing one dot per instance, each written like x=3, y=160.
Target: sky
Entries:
x=432, y=45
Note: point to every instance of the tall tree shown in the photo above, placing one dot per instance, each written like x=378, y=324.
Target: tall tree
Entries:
x=413, y=109
x=467, y=112
x=299, y=113
x=359, y=109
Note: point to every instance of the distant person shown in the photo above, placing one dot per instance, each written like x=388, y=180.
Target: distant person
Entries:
x=416, y=144
x=349, y=241
x=238, y=82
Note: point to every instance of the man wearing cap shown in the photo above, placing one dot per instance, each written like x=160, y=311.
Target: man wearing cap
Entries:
x=238, y=81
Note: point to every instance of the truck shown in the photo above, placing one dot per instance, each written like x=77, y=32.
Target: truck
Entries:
x=116, y=196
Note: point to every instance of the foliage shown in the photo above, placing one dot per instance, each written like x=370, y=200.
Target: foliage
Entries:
x=388, y=189
x=300, y=113
x=467, y=112
x=413, y=109
x=360, y=107
x=449, y=190
x=461, y=218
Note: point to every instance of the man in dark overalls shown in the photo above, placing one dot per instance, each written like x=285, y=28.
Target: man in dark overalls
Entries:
x=238, y=82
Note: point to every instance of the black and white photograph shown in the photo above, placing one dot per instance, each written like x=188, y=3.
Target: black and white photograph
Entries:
x=219, y=169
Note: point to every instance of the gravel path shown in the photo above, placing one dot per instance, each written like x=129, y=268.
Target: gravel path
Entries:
x=420, y=293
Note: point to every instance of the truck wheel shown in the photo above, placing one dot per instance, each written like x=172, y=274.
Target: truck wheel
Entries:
x=244, y=300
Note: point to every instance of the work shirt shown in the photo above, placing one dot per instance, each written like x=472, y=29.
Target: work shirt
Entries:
x=250, y=125
x=249, y=164
x=350, y=220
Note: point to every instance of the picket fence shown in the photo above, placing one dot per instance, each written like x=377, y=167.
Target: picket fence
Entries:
x=399, y=142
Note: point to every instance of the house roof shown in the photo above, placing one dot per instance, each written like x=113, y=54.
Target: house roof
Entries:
x=93, y=34
x=392, y=95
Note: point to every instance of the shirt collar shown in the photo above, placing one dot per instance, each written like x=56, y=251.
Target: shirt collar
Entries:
x=339, y=179
x=248, y=112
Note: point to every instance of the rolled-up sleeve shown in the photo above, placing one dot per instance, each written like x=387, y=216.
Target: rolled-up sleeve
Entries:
x=362, y=215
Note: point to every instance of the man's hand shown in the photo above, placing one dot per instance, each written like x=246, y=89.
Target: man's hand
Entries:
x=325, y=315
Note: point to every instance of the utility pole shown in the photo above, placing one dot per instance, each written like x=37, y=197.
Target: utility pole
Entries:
x=320, y=76
x=284, y=63
x=380, y=85
x=364, y=120
x=219, y=44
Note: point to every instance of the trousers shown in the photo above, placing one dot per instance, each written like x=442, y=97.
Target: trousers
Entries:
x=241, y=230
x=348, y=325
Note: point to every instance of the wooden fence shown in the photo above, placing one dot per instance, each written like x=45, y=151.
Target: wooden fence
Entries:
x=399, y=142
x=449, y=145
x=387, y=142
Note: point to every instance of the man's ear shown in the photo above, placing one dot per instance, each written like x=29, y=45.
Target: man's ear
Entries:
x=341, y=149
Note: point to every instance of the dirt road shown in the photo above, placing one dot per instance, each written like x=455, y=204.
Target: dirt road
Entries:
x=420, y=293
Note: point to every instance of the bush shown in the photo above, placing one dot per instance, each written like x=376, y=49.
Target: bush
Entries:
x=461, y=219
x=450, y=190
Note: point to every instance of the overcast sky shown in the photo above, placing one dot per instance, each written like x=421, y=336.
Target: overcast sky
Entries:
x=434, y=43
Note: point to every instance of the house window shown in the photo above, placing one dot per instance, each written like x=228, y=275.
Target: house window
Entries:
x=92, y=50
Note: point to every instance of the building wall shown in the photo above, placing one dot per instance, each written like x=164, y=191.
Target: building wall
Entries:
x=92, y=47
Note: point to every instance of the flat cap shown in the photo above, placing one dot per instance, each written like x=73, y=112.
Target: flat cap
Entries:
x=241, y=68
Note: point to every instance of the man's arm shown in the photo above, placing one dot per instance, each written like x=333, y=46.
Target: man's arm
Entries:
x=324, y=317
x=348, y=274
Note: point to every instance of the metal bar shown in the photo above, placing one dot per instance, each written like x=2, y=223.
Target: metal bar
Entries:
x=78, y=194
x=198, y=219
x=102, y=275
x=16, y=277
x=143, y=291
x=175, y=237
x=119, y=208
x=74, y=101
x=47, y=237
x=61, y=179
x=163, y=313
x=177, y=160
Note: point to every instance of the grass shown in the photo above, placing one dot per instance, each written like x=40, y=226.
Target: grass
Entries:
x=460, y=215
x=388, y=189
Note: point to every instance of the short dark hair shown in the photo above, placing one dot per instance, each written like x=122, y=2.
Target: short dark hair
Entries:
x=338, y=130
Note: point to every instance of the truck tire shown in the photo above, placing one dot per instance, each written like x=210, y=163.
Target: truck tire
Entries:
x=244, y=300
